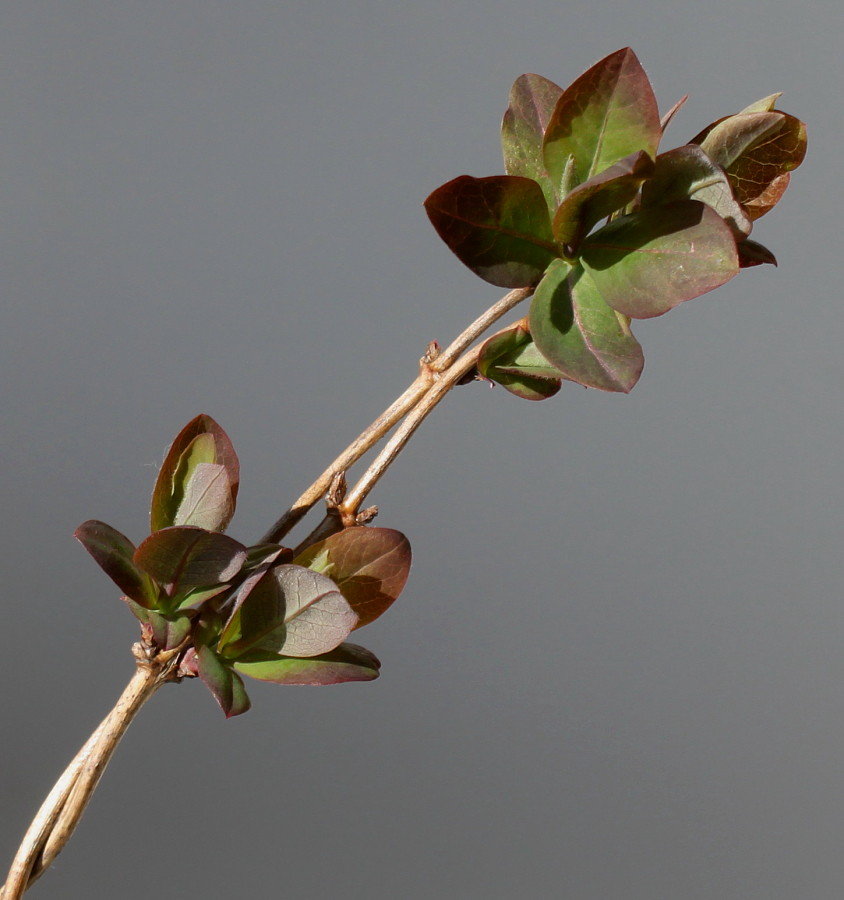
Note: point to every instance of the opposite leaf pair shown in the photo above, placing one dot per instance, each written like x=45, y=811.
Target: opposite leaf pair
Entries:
x=677, y=223
x=234, y=609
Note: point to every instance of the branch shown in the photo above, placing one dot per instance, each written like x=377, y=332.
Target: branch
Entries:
x=62, y=810
x=442, y=385
x=60, y=813
x=435, y=378
x=350, y=455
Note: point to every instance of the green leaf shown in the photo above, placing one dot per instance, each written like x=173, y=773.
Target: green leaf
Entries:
x=532, y=102
x=580, y=335
x=195, y=598
x=369, y=566
x=511, y=359
x=757, y=150
x=167, y=632
x=114, y=553
x=766, y=104
x=599, y=197
x=687, y=173
x=498, y=226
x=225, y=685
x=647, y=263
x=607, y=114
x=288, y=610
x=184, y=557
x=199, y=479
x=348, y=662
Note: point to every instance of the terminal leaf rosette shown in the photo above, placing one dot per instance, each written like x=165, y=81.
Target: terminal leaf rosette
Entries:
x=603, y=226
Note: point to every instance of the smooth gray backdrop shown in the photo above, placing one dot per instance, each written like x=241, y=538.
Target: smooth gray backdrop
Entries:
x=616, y=672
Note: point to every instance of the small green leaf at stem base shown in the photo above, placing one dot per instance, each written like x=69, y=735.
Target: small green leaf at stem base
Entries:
x=166, y=632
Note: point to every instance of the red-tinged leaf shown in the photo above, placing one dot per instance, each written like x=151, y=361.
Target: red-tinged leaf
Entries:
x=185, y=557
x=765, y=200
x=665, y=121
x=499, y=227
x=580, y=335
x=649, y=262
x=532, y=102
x=166, y=632
x=687, y=173
x=511, y=359
x=290, y=611
x=114, y=553
x=225, y=685
x=348, y=662
x=757, y=150
x=751, y=253
x=599, y=197
x=199, y=479
x=607, y=114
x=369, y=565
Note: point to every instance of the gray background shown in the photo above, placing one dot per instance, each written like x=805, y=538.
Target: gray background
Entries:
x=616, y=671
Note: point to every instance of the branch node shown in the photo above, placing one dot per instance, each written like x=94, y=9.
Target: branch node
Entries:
x=336, y=491
x=432, y=352
x=348, y=516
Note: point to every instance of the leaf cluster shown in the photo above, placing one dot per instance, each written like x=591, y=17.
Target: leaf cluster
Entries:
x=235, y=610
x=604, y=227
x=590, y=218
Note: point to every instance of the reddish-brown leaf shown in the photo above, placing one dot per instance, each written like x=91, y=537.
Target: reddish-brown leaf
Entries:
x=369, y=565
x=498, y=226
